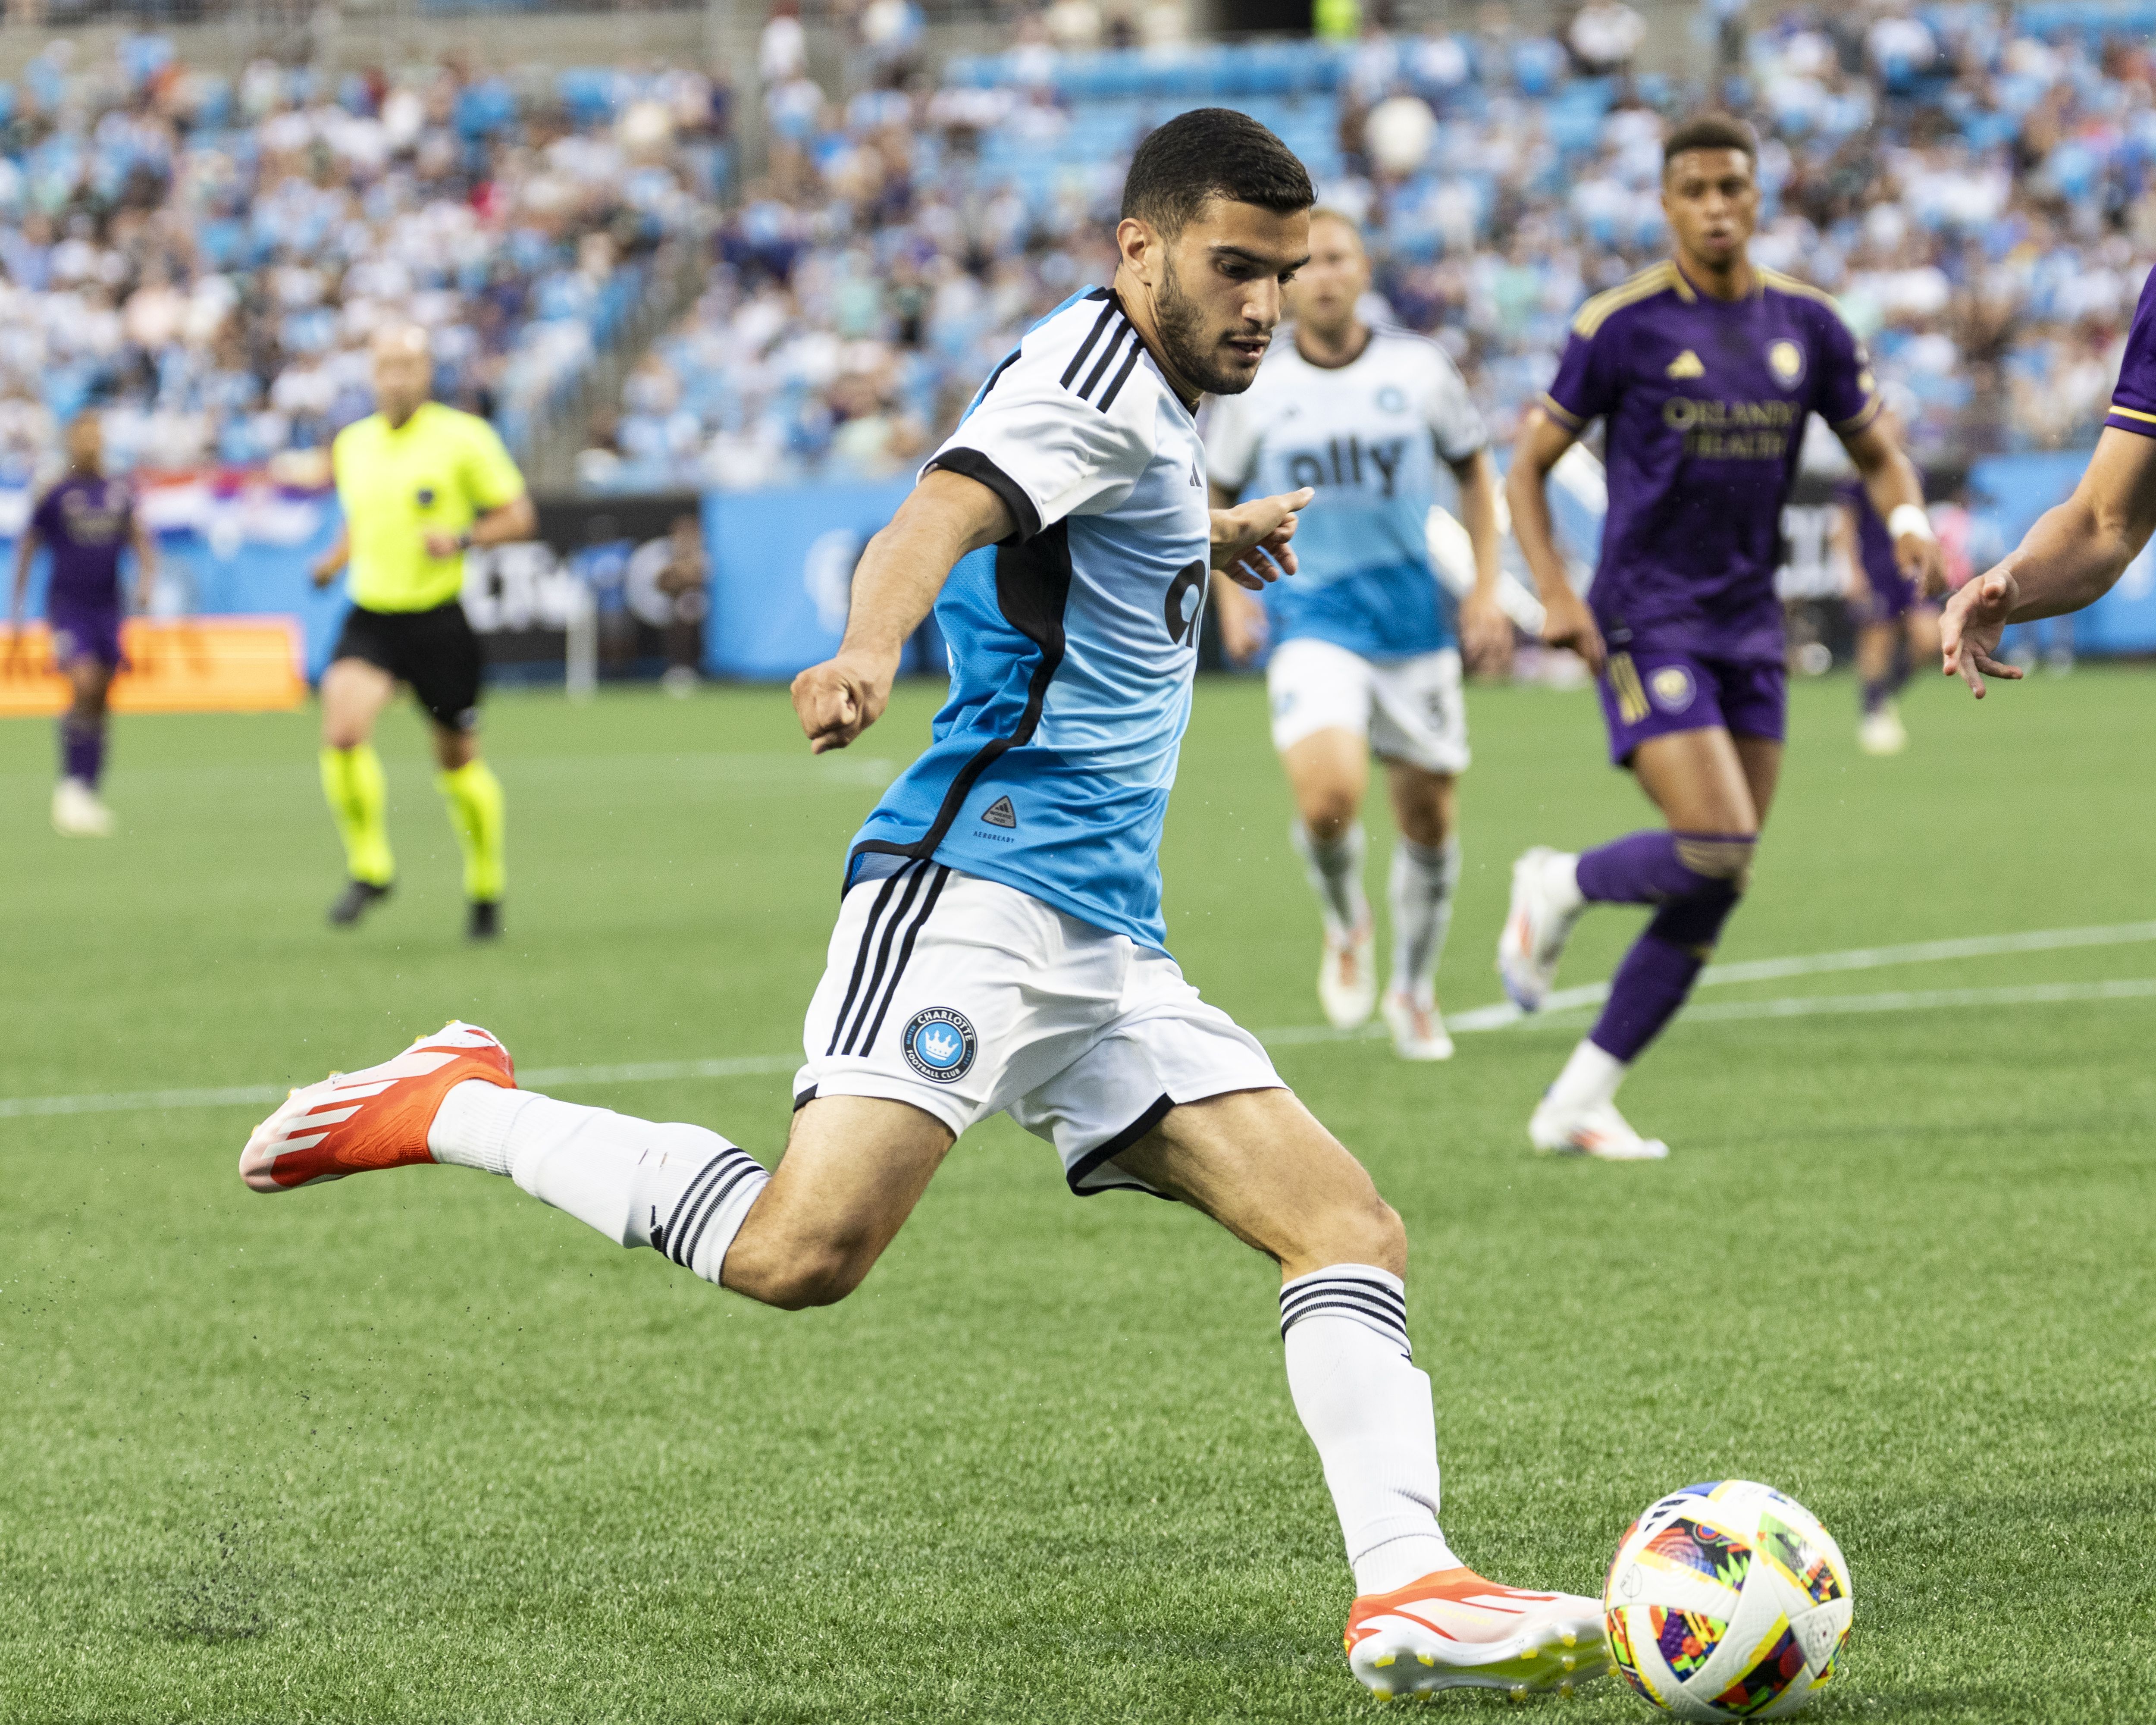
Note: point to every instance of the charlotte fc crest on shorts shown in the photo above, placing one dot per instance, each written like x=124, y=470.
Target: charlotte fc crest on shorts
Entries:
x=940, y=1044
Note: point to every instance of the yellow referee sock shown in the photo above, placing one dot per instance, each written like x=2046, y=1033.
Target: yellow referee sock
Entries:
x=474, y=795
x=359, y=800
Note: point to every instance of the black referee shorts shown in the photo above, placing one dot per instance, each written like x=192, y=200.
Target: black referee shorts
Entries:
x=434, y=651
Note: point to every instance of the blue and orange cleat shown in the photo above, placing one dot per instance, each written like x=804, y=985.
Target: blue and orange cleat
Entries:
x=352, y=1121
x=1452, y=1630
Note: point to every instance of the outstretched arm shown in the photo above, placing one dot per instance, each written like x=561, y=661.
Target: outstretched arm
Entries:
x=1896, y=491
x=1251, y=541
x=2072, y=557
x=1567, y=621
x=1242, y=618
x=901, y=572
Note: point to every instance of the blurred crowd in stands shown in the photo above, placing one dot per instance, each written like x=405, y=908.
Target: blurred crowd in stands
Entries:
x=1973, y=183
x=204, y=258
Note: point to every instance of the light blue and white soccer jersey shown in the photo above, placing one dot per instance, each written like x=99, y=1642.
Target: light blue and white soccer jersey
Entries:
x=1368, y=436
x=1073, y=643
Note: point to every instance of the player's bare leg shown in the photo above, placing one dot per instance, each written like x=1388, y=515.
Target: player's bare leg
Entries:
x=77, y=811
x=354, y=694
x=1328, y=771
x=1259, y=1164
x=1713, y=790
x=1425, y=877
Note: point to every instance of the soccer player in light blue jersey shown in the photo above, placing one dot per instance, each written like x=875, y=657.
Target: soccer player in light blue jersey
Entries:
x=1000, y=946
x=1365, y=657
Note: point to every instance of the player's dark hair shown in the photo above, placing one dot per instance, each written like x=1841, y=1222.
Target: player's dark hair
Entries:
x=1710, y=131
x=1212, y=152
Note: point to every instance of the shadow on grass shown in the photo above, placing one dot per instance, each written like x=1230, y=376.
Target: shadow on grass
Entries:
x=221, y=1590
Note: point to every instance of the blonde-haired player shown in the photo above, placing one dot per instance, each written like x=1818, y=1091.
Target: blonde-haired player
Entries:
x=1365, y=657
x=420, y=484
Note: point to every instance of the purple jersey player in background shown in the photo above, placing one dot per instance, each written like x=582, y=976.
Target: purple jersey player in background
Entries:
x=1705, y=370
x=2075, y=552
x=1896, y=626
x=86, y=522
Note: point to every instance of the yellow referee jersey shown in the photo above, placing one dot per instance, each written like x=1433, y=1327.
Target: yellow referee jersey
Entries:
x=436, y=473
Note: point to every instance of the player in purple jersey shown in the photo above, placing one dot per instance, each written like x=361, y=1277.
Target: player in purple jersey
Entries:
x=1897, y=627
x=1705, y=370
x=85, y=521
x=2074, y=553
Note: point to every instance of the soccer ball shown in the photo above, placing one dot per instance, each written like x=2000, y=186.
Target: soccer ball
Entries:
x=1726, y=1601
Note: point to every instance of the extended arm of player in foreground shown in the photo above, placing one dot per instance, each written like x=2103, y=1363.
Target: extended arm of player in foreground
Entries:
x=1251, y=541
x=1567, y=621
x=904, y=567
x=2072, y=557
x=1892, y=481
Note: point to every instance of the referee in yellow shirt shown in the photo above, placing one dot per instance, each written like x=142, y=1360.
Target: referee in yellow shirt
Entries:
x=420, y=484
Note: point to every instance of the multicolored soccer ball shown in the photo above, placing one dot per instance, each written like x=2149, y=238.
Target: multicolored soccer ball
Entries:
x=1726, y=1601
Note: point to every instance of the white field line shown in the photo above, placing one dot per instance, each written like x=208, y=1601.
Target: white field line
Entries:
x=1484, y=1018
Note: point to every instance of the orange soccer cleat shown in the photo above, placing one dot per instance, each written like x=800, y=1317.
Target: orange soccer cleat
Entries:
x=352, y=1121
x=1452, y=1630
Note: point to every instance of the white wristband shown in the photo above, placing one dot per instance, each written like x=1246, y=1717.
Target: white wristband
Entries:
x=1910, y=518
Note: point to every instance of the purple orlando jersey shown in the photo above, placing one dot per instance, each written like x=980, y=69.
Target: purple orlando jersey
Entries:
x=1705, y=401
x=2133, y=401
x=85, y=522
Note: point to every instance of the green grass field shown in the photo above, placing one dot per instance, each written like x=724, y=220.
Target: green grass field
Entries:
x=414, y=1448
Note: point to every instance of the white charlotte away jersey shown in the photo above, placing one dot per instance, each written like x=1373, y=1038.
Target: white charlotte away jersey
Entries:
x=1368, y=435
x=1073, y=643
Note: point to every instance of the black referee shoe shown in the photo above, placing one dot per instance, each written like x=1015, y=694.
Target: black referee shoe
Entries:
x=353, y=903
x=485, y=923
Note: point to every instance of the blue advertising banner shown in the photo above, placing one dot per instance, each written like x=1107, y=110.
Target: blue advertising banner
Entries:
x=783, y=570
x=242, y=556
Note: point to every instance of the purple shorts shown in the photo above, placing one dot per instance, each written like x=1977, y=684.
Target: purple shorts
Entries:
x=85, y=632
x=1649, y=694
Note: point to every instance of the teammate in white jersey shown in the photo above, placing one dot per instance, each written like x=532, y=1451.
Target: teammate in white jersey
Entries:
x=1365, y=658
x=1000, y=942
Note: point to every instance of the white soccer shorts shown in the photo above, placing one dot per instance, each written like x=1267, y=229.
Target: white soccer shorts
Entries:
x=967, y=998
x=1411, y=709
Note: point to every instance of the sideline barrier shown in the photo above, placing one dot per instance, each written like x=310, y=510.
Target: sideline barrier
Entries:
x=782, y=564
x=187, y=664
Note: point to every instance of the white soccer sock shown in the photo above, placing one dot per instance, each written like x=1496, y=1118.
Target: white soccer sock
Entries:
x=1367, y=1409
x=678, y=1188
x=1561, y=882
x=1590, y=1079
x=1423, y=883
x=1336, y=875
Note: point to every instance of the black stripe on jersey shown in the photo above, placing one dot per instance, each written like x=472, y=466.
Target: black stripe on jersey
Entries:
x=1109, y=313
x=905, y=955
x=1116, y=384
x=1080, y=1170
x=1122, y=332
x=913, y=879
x=976, y=466
x=1032, y=585
x=861, y=958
